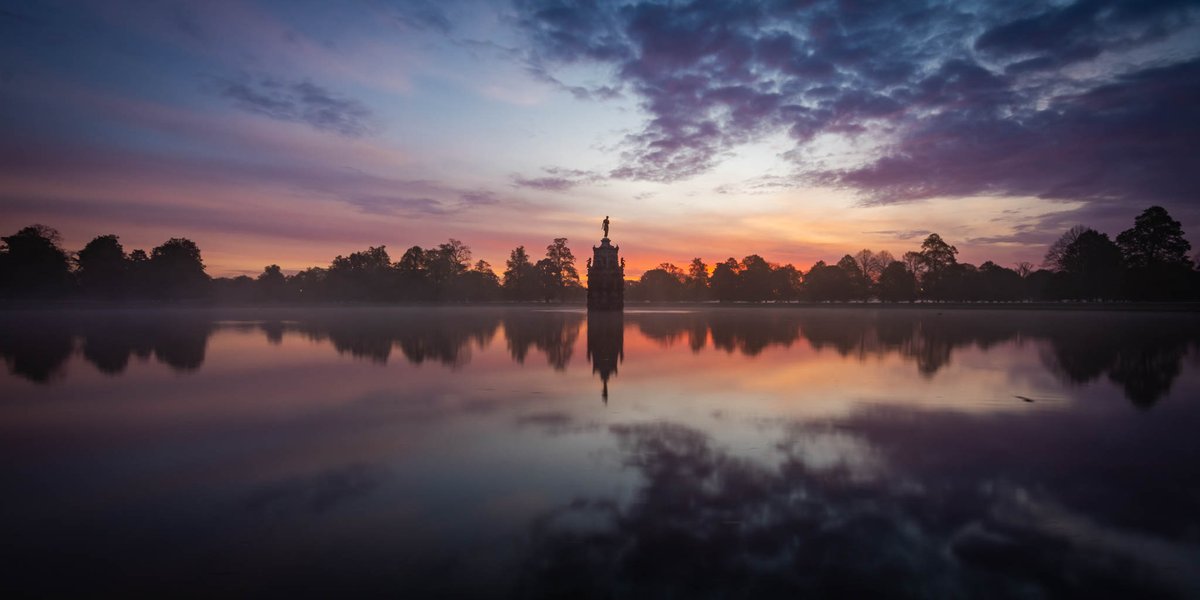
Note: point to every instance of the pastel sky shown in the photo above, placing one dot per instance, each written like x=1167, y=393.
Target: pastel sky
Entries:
x=290, y=132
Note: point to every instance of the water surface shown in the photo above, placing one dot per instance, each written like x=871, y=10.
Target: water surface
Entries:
x=720, y=452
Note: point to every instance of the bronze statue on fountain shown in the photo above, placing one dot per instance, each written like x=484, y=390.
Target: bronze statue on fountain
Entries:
x=606, y=275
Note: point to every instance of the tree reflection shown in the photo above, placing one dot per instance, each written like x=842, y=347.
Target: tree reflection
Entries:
x=35, y=353
x=176, y=340
x=1141, y=352
x=552, y=332
x=668, y=328
x=434, y=335
x=1143, y=355
x=750, y=333
x=36, y=345
x=180, y=343
x=109, y=344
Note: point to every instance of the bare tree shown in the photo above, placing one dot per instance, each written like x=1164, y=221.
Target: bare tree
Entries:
x=912, y=261
x=883, y=258
x=1054, y=256
x=871, y=264
x=863, y=260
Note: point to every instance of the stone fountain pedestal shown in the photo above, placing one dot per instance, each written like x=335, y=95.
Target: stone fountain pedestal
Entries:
x=606, y=278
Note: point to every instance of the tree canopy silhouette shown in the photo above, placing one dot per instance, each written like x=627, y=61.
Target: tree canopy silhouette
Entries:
x=177, y=269
x=33, y=264
x=897, y=283
x=557, y=270
x=520, y=278
x=1156, y=254
x=102, y=266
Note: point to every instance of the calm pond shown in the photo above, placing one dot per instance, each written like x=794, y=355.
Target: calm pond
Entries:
x=710, y=452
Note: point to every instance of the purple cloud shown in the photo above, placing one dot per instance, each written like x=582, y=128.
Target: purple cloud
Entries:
x=557, y=179
x=968, y=100
x=301, y=102
x=1062, y=35
x=1130, y=139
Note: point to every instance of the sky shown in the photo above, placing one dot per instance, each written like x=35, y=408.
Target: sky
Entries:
x=291, y=132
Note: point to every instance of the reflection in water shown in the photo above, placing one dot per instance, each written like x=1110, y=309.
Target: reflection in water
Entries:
x=1141, y=352
x=37, y=345
x=552, y=332
x=605, y=345
x=761, y=452
x=37, y=352
x=445, y=339
x=705, y=523
x=1144, y=358
x=314, y=494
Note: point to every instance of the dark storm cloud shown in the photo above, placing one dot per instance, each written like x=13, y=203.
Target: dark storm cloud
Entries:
x=971, y=99
x=301, y=102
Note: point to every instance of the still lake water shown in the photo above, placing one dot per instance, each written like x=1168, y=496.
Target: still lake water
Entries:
x=723, y=452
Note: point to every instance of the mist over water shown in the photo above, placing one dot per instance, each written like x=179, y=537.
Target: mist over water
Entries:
x=708, y=452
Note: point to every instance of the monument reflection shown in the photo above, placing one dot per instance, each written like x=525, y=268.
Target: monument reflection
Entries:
x=605, y=345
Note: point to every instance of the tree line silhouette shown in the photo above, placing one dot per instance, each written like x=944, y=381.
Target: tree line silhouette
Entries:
x=1146, y=262
x=1149, y=261
x=33, y=265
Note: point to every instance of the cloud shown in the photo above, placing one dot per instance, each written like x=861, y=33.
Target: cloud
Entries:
x=477, y=198
x=557, y=179
x=452, y=200
x=1131, y=138
x=1062, y=35
x=549, y=184
x=907, y=234
x=112, y=186
x=762, y=184
x=580, y=92
x=301, y=102
x=422, y=15
x=957, y=100
x=391, y=205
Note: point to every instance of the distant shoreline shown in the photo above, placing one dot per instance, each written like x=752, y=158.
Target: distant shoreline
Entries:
x=1173, y=307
